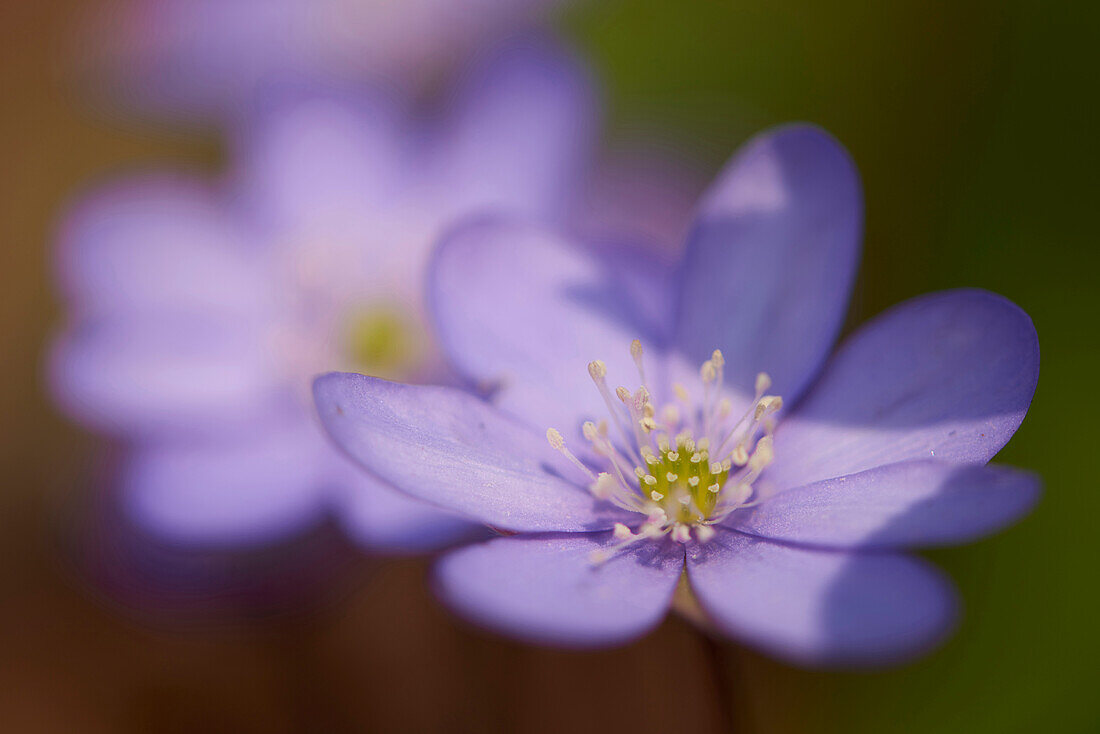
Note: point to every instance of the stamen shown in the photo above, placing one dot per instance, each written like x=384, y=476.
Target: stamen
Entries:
x=597, y=370
x=558, y=444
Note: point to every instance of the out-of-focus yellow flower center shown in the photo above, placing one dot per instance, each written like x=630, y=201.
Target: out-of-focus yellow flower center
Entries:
x=381, y=340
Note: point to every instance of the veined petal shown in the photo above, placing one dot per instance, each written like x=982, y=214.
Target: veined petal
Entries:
x=947, y=376
x=821, y=607
x=545, y=588
x=771, y=259
x=522, y=311
x=238, y=491
x=522, y=129
x=913, y=503
x=158, y=243
x=382, y=519
x=446, y=447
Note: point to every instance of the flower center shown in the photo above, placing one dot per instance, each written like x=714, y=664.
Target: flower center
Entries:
x=685, y=467
x=381, y=341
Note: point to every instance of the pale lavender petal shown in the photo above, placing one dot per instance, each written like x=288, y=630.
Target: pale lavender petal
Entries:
x=523, y=311
x=771, y=259
x=947, y=376
x=148, y=373
x=381, y=519
x=158, y=243
x=821, y=607
x=524, y=125
x=446, y=447
x=914, y=503
x=545, y=589
x=314, y=162
x=241, y=490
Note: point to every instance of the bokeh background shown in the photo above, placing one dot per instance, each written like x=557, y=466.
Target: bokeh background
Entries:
x=974, y=126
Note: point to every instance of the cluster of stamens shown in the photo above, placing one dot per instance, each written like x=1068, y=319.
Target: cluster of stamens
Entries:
x=657, y=467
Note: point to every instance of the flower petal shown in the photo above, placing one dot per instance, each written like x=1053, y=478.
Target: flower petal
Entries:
x=446, y=447
x=382, y=519
x=246, y=490
x=913, y=503
x=821, y=607
x=948, y=376
x=164, y=373
x=312, y=160
x=523, y=127
x=158, y=243
x=771, y=259
x=520, y=310
x=545, y=589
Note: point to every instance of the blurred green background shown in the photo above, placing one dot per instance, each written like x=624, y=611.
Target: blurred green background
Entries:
x=975, y=130
x=975, y=127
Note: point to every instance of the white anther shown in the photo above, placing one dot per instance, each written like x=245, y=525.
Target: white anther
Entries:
x=554, y=437
x=622, y=532
x=684, y=500
x=589, y=431
x=704, y=443
x=639, y=472
x=740, y=456
x=693, y=482
x=671, y=477
x=707, y=372
x=681, y=533
x=597, y=370
x=650, y=480
x=657, y=518
x=648, y=424
x=623, y=394
x=636, y=349
x=704, y=533
x=714, y=488
x=656, y=496
x=673, y=456
x=763, y=382
x=763, y=454
x=715, y=467
x=604, y=486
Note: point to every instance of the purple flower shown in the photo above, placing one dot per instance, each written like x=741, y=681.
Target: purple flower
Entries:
x=207, y=57
x=199, y=313
x=792, y=515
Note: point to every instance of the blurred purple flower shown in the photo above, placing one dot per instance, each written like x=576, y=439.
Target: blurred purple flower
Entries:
x=208, y=57
x=793, y=536
x=199, y=313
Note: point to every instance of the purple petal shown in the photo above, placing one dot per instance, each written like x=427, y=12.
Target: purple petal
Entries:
x=545, y=589
x=382, y=519
x=446, y=447
x=519, y=309
x=914, y=503
x=314, y=162
x=239, y=491
x=947, y=376
x=523, y=128
x=158, y=243
x=771, y=260
x=821, y=607
x=161, y=373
